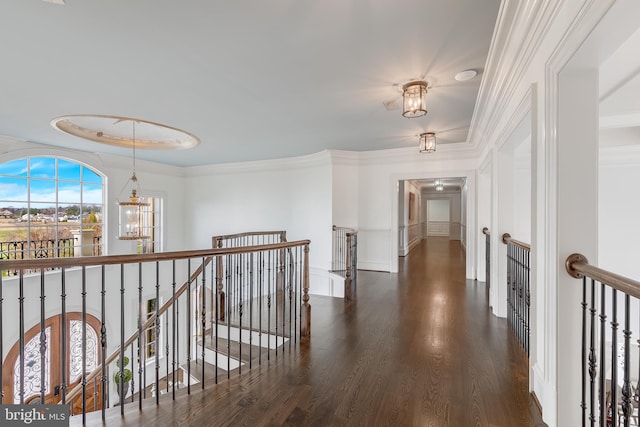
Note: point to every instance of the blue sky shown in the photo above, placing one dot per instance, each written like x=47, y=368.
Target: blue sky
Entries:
x=73, y=180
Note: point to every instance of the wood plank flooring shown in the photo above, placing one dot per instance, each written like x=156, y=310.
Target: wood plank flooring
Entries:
x=417, y=348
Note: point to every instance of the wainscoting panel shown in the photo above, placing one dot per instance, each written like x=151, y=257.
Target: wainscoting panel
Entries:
x=438, y=228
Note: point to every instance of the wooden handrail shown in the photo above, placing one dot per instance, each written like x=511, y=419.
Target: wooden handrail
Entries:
x=506, y=238
x=578, y=266
x=28, y=264
x=485, y=230
x=146, y=325
x=282, y=233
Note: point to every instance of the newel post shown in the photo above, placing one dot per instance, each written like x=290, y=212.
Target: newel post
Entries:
x=305, y=310
x=217, y=243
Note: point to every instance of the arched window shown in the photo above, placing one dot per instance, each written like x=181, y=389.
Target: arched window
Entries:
x=50, y=207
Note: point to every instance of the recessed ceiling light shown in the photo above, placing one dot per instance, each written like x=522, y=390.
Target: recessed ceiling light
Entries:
x=465, y=75
x=55, y=1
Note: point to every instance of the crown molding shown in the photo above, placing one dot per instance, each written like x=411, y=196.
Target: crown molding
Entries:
x=518, y=36
x=322, y=158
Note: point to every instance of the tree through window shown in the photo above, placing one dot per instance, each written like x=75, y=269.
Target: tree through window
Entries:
x=50, y=207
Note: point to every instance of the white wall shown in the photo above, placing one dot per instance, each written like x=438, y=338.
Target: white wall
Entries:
x=618, y=207
x=345, y=188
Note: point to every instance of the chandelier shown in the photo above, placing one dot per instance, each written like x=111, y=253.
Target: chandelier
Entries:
x=133, y=211
x=427, y=142
x=414, y=103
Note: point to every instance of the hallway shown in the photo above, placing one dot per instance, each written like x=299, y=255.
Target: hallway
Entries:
x=419, y=348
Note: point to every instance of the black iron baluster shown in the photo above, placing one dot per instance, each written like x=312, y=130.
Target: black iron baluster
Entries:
x=121, y=367
x=103, y=343
x=84, y=344
x=133, y=381
x=173, y=332
x=260, y=299
x=189, y=326
x=217, y=307
x=1, y=332
x=269, y=273
x=231, y=294
x=142, y=344
x=626, y=383
x=593, y=362
x=614, y=357
x=43, y=340
x=603, y=335
x=166, y=350
x=157, y=334
x=251, y=310
x=583, y=402
x=203, y=316
x=240, y=311
x=21, y=331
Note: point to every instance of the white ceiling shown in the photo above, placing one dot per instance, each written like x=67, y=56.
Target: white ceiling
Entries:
x=252, y=79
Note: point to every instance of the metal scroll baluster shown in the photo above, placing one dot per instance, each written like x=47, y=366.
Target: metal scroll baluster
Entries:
x=250, y=309
x=21, y=336
x=260, y=299
x=157, y=334
x=1, y=333
x=188, y=301
x=626, y=383
x=231, y=296
x=166, y=350
x=120, y=383
x=269, y=273
x=603, y=334
x=103, y=345
x=84, y=344
x=141, y=343
x=203, y=316
x=63, y=335
x=133, y=380
x=290, y=281
x=218, y=264
x=614, y=357
x=240, y=312
x=43, y=340
x=174, y=330
x=583, y=402
x=593, y=363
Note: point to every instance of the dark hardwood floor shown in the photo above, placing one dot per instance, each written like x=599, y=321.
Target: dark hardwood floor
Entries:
x=417, y=348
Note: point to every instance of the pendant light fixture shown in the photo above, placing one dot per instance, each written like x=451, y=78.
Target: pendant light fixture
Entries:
x=414, y=99
x=132, y=212
x=427, y=142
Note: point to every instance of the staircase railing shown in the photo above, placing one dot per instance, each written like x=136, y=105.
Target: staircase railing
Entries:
x=518, y=288
x=158, y=311
x=240, y=240
x=610, y=394
x=487, y=256
x=345, y=258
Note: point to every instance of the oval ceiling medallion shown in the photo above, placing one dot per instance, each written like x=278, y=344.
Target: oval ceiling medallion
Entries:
x=119, y=132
